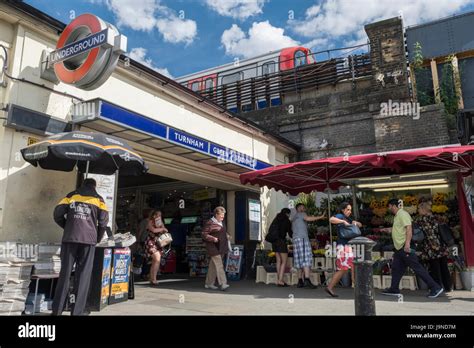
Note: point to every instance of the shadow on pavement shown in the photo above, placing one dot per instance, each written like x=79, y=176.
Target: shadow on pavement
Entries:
x=263, y=291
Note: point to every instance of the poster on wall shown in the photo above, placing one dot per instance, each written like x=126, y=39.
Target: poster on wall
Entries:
x=106, y=188
x=255, y=219
x=120, y=274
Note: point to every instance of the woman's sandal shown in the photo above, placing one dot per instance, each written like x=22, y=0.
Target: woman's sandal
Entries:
x=331, y=293
x=154, y=283
x=284, y=285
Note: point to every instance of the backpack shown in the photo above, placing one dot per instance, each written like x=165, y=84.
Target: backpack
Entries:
x=272, y=235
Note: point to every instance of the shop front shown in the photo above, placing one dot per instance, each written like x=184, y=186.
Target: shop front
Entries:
x=181, y=136
x=194, y=149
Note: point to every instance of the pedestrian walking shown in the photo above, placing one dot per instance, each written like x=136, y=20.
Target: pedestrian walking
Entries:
x=216, y=240
x=302, y=251
x=405, y=255
x=83, y=216
x=152, y=246
x=433, y=250
x=344, y=257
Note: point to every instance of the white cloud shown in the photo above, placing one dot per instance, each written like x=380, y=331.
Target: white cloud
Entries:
x=262, y=38
x=345, y=20
x=176, y=30
x=139, y=54
x=238, y=9
x=137, y=15
x=145, y=15
x=317, y=43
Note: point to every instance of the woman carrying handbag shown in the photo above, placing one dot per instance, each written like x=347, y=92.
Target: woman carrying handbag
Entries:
x=154, y=243
x=344, y=251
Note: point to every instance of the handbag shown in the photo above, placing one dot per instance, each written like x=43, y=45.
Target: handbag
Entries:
x=272, y=235
x=446, y=235
x=417, y=233
x=349, y=232
x=165, y=239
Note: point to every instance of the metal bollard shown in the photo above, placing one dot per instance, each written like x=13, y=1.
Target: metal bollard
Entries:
x=364, y=283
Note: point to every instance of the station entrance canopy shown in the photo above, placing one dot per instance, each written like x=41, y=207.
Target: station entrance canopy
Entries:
x=108, y=118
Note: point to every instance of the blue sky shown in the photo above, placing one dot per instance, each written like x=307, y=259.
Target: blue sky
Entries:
x=178, y=37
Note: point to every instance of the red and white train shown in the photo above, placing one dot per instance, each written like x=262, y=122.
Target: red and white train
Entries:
x=213, y=79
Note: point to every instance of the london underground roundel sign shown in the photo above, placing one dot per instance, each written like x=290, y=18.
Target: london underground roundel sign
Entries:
x=87, y=52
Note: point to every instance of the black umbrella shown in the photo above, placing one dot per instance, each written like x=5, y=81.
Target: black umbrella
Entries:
x=92, y=153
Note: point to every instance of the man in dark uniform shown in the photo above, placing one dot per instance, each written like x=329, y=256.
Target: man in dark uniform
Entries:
x=83, y=216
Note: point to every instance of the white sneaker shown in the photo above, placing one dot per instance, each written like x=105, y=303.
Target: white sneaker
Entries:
x=224, y=287
x=213, y=287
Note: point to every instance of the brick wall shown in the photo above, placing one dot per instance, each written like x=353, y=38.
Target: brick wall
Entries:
x=348, y=115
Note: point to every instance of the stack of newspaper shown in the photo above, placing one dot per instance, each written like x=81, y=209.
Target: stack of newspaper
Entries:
x=48, y=260
x=16, y=263
x=124, y=239
x=118, y=240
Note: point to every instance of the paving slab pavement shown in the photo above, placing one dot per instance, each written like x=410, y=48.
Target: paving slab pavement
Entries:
x=187, y=296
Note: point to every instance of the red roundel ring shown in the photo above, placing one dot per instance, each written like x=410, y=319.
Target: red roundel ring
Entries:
x=72, y=76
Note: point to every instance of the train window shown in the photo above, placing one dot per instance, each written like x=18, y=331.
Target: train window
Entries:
x=268, y=68
x=300, y=58
x=209, y=84
x=311, y=59
x=231, y=78
x=209, y=87
x=196, y=86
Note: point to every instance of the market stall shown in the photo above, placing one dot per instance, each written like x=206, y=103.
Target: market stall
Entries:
x=403, y=174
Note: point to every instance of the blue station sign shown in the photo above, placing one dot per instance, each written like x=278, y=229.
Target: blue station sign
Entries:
x=135, y=121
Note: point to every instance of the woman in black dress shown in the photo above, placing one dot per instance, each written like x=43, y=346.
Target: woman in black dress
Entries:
x=283, y=227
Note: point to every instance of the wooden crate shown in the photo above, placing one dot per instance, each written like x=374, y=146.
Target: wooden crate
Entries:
x=315, y=278
x=319, y=262
x=386, y=281
x=377, y=279
x=388, y=255
x=294, y=278
x=329, y=263
x=261, y=275
x=271, y=278
x=408, y=282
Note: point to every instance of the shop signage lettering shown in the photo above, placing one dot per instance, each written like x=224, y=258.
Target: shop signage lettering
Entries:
x=233, y=156
x=187, y=140
x=78, y=47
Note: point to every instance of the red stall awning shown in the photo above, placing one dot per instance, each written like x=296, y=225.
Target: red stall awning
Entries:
x=317, y=175
x=432, y=159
